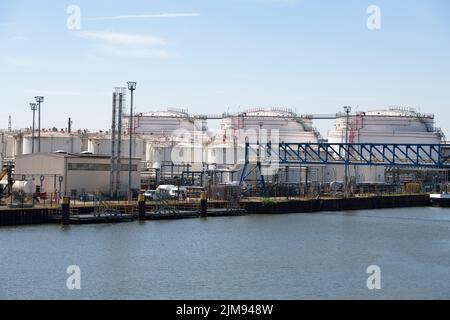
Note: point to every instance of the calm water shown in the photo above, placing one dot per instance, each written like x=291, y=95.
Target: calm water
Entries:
x=292, y=256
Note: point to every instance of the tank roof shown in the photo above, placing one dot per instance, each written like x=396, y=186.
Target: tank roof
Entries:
x=69, y=155
x=170, y=113
x=272, y=112
x=398, y=112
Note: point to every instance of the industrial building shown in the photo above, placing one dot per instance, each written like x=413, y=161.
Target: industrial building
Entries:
x=74, y=174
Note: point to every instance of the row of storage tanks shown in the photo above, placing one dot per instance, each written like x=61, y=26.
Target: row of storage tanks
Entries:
x=173, y=135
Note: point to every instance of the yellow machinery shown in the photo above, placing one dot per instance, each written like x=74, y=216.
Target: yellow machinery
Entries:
x=3, y=174
x=413, y=187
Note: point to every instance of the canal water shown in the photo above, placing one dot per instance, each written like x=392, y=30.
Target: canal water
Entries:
x=286, y=256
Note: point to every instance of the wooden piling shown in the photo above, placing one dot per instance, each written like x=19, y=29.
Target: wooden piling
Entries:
x=203, y=204
x=65, y=220
x=141, y=206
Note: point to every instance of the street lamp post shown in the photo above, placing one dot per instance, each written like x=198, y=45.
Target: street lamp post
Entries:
x=131, y=87
x=33, y=107
x=347, y=110
x=39, y=100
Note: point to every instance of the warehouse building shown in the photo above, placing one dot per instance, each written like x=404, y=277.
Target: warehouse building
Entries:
x=75, y=174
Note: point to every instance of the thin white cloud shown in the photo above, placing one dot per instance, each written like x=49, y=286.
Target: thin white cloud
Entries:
x=128, y=45
x=18, y=38
x=149, y=16
x=138, y=52
x=122, y=38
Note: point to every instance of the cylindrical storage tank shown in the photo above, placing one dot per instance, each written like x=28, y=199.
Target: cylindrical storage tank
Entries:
x=275, y=125
x=163, y=122
x=102, y=146
x=11, y=145
x=2, y=142
x=387, y=126
x=2, y=148
x=188, y=153
x=158, y=150
x=394, y=125
x=51, y=142
x=28, y=187
x=162, y=130
x=158, y=154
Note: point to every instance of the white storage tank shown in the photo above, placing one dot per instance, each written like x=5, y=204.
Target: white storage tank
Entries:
x=51, y=142
x=393, y=125
x=157, y=152
x=276, y=124
x=101, y=145
x=162, y=131
x=28, y=187
x=163, y=122
x=10, y=145
x=2, y=148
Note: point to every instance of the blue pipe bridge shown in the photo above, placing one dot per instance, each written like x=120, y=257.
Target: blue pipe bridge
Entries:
x=434, y=156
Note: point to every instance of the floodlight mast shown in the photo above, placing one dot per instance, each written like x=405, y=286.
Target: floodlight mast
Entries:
x=347, y=110
x=39, y=100
x=131, y=87
x=33, y=107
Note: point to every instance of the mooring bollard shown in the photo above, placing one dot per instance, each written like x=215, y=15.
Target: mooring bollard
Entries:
x=65, y=221
x=203, y=204
x=141, y=205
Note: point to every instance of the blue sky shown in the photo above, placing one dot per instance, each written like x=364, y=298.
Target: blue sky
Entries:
x=223, y=55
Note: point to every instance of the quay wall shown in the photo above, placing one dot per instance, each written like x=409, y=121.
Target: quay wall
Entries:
x=337, y=204
x=30, y=216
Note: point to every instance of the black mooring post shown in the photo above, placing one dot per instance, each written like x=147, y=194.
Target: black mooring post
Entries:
x=203, y=205
x=141, y=205
x=65, y=221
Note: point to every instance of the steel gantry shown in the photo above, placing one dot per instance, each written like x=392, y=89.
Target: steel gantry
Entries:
x=434, y=156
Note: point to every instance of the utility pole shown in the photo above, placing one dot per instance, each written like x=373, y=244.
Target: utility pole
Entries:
x=347, y=110
x=33, y=107
x=39, y=100
x=9, y=124
x=131, y=87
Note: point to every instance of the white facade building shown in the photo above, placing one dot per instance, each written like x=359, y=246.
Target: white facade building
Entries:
x=74, y=174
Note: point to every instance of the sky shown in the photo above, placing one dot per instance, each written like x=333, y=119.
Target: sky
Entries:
x=215, y=56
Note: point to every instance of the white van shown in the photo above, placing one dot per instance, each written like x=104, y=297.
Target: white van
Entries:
x=171, y=191
x=164, y=190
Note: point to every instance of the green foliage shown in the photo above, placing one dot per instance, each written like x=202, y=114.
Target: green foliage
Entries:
x=268, y=201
